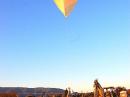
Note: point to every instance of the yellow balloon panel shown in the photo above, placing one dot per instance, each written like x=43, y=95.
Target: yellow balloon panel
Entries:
x=65, y=6
x=60, y=5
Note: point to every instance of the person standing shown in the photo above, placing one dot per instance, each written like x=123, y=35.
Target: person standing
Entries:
x=66, y=93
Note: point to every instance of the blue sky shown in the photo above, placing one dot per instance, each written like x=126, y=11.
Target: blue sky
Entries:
x=40, y=47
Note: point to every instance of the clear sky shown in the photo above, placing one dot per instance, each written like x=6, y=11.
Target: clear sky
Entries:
x=39, y=47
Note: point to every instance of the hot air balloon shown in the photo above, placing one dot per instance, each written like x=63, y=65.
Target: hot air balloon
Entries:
x=65, y=6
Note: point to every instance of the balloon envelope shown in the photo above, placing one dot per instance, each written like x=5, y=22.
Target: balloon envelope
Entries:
x=65, y=6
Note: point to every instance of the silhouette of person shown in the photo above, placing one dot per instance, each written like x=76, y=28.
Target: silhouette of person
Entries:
x=66, y=93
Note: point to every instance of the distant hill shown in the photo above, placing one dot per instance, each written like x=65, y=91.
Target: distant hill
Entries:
x=22, y=92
